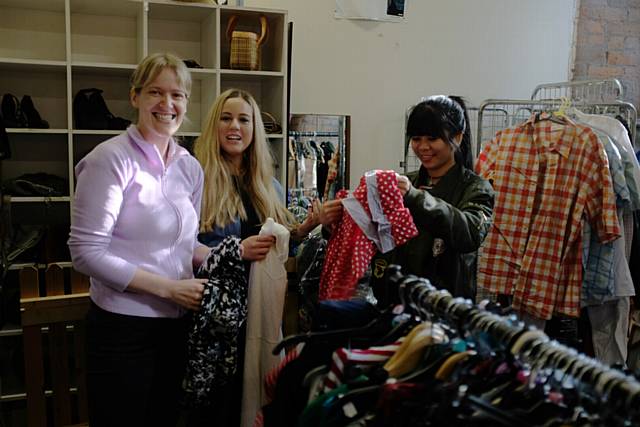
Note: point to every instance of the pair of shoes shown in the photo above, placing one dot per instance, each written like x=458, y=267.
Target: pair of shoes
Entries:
x=21, y=114
x=90, y=111
x=33, y=117
x=191, y=63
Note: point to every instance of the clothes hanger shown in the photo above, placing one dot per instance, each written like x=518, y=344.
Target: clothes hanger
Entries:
x=473, y=319
x=370, y=330
x=403, y=328
x=503, y=417
x=533, y=347
x=408, y=352
x=509, y=329
x=406, y=343
x=421, y=293
x=405, y=289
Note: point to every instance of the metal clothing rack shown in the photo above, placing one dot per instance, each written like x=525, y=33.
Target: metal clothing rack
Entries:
x=498, y=114
x=302, y=134
x=593, y=91
x=523, y=342
x=342, y=148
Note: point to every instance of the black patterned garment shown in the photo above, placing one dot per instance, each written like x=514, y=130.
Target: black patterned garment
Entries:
x=212, y=348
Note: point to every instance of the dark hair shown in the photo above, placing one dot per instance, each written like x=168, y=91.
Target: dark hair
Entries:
x=443, y=117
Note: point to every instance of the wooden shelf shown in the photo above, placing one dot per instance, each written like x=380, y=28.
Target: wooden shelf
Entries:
x=37, y=131
x=40, y=199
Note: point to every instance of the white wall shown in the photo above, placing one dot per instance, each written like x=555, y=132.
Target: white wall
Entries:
x=373, y=71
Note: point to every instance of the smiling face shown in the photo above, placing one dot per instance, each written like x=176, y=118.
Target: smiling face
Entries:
x=235, y=129
x=161, y=105
x=435, y=154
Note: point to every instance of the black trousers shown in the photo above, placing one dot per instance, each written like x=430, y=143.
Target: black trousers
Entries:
x=135, y=367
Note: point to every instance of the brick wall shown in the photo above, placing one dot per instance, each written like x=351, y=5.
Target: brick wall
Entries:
x=608, y=43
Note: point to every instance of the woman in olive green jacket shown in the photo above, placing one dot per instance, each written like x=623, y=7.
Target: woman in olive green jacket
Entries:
x=450, y=205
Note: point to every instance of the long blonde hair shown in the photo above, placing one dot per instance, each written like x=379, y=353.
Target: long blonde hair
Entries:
x=221, y=200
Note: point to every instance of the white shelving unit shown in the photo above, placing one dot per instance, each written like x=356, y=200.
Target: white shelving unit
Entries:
x=50, y=49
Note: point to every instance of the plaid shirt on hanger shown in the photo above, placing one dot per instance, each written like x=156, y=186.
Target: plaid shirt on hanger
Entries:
x=547, y=176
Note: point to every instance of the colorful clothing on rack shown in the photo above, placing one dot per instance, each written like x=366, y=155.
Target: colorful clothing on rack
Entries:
x=375, y=212
x=546, y=176
x=598, y=258
x=343, y=358
x=619, y=135
x=270, y=380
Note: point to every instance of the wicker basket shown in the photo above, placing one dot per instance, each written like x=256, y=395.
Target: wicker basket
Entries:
x=245, y=45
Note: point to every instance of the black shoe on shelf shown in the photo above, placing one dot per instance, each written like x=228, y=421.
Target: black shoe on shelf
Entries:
x=191, y=63
x=33, y=117
x=5, y=148
x=12, y=114
x=90, y=111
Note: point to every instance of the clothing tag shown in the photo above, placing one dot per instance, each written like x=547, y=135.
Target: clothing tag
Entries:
x=349, y=410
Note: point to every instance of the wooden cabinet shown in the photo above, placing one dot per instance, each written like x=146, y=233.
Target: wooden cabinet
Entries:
x=51, y=49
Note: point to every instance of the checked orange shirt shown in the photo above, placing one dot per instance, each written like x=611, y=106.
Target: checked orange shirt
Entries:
x=547, y=177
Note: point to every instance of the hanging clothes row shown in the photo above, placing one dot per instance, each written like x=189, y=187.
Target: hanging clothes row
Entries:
x=313, y=169
x=566, y=187
x=436, y=360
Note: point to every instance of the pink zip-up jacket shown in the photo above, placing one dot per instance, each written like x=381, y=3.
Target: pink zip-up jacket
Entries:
x=131, y=211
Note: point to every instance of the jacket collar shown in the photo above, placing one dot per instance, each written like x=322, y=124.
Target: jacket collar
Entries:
x=551, y=134
x=444, y=186
x=151, y=152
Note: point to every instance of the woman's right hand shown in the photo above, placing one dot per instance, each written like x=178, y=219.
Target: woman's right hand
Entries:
x=187, y=292
x=256, y=248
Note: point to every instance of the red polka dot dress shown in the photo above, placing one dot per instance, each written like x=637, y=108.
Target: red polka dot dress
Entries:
x=350, y=250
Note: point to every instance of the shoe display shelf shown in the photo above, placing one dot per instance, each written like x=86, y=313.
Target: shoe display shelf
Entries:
x=51, y=49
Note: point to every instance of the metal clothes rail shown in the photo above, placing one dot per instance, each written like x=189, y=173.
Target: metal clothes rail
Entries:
x=527, y=343
x=593, y=91
x=302, y=134
x=497, y=114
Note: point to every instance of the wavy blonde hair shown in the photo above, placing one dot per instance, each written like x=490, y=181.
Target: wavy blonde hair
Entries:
x=221, y=201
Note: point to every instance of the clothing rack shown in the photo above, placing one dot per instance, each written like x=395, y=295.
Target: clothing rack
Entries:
x=604, y=90
x=497, y=114
x=522, y=341
x=339, y=145
x=301, y=134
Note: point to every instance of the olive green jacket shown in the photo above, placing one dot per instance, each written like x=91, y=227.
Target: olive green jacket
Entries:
x=452, y=218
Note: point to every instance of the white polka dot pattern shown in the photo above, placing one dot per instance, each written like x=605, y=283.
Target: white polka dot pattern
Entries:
x=349, y=252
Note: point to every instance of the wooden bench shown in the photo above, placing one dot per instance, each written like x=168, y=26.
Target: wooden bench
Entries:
x=56, y=316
